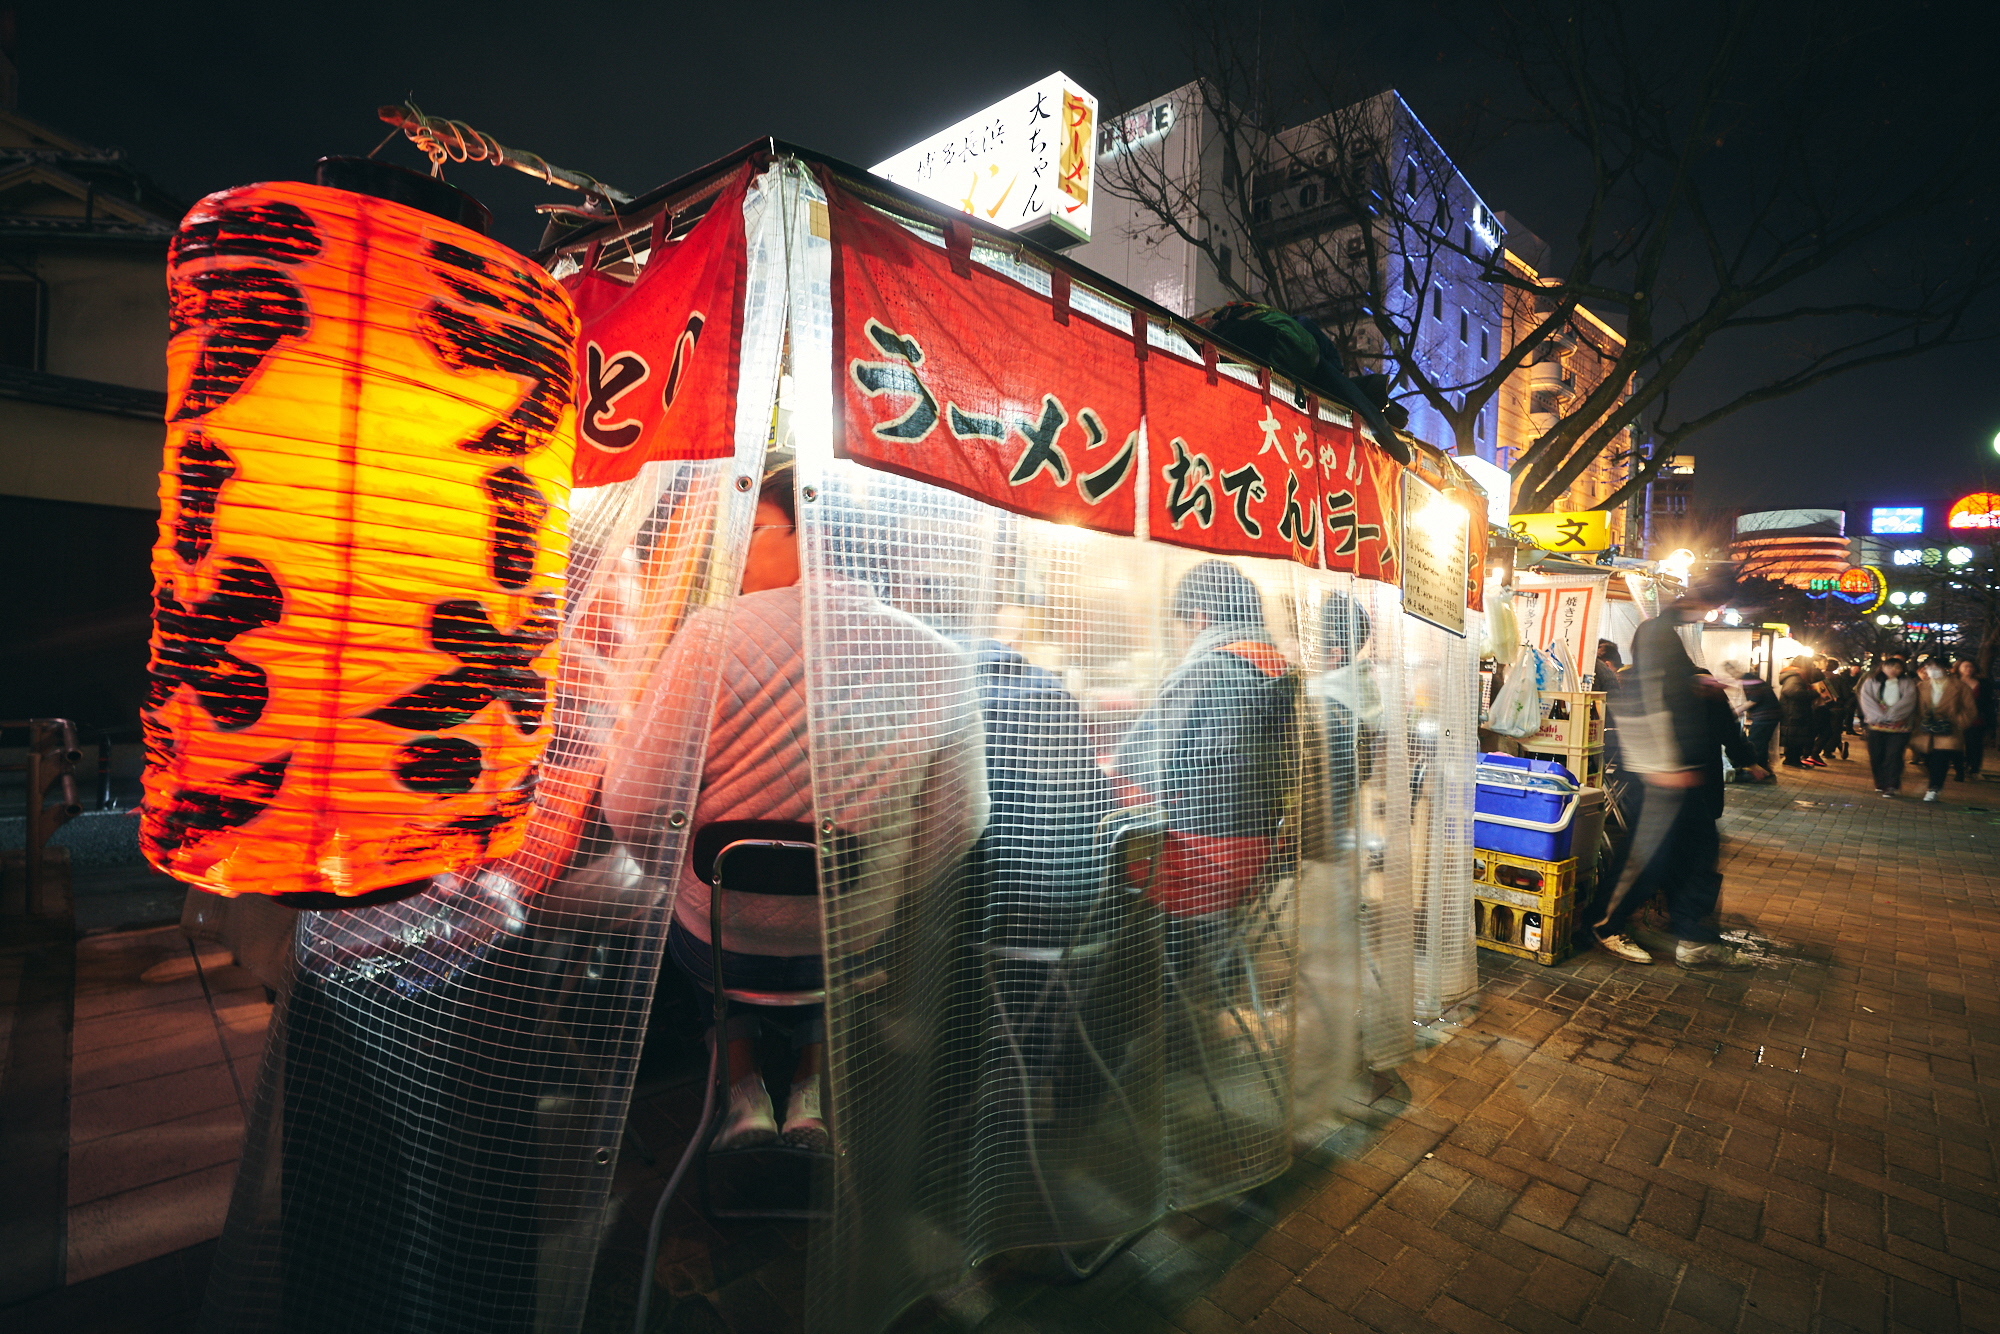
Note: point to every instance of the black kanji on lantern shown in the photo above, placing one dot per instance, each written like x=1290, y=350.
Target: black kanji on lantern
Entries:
x=494, y=664
x=242, y=310
x=192, y=643
x=193, y=814
x=202, y=467
x=518, y=510
x=499, y=320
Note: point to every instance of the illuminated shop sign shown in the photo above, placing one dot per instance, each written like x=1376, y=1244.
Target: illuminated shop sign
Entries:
x=1899, y=519
x=1023, y=163
x=1981, y=509
x=1861, y=585
x=1135, y=128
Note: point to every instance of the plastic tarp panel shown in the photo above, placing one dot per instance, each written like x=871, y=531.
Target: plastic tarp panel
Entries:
x=1060, y=831
x=1442, y=685
x=446, y=1078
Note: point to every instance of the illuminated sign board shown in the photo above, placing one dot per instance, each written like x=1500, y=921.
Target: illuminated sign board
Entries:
x=1135, y=128
x=1024, y=163
x=1578, y=530
x=1863, y=586
x=1897, y=519
x=1981, y=509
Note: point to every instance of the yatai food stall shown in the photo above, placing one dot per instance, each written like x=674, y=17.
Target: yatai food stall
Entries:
x=450, y=538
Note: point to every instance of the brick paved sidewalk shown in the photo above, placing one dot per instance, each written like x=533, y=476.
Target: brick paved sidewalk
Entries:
x=1613, y=1147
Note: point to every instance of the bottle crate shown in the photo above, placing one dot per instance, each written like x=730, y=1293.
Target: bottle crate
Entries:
x=1573, y=720
x=1525, y=933
x=1508, y=891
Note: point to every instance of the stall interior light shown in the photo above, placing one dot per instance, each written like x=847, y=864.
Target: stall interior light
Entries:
x=1678, y=564
x=1732, y=618
x=1713, y=615
x=1882, y=619
x=1919, y=599
x=1898, y=599
x=1959, y=555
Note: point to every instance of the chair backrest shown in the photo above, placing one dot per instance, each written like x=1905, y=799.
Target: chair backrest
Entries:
x=757, y=857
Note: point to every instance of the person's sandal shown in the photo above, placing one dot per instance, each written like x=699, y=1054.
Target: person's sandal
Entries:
x=804, y=1128
x=1625, y=948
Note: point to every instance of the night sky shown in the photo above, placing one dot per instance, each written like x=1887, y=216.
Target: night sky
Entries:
x=220, y=94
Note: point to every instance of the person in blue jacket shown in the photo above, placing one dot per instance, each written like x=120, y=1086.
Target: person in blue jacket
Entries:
x=1219, y=751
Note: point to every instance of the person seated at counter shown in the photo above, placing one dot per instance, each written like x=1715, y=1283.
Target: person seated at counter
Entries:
x=1035, y=869
x=757, y=767
x=1217, y=749
x=1350, y=702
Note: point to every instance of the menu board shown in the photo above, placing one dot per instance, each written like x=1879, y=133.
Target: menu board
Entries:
x=1435, y=541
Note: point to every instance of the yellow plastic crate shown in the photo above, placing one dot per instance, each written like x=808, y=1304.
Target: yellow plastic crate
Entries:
x=1535, y=882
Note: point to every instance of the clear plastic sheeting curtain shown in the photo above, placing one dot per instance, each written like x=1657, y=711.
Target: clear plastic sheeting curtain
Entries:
x=1061, y=785
x=1442, y=674
x=446, y=1078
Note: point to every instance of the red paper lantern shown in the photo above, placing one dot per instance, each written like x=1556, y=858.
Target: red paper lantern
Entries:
x=362, y=544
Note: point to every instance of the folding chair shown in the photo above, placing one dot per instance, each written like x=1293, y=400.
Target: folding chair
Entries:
x=1069, y=974
x=738, y=857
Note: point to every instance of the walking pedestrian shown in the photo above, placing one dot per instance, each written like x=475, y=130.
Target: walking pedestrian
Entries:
x=1798, y=720
x=1888, y=701
x=1972, y=760
x=1674, y=728
x=1945, y=708
x=1760, y=710
x=1839, y=717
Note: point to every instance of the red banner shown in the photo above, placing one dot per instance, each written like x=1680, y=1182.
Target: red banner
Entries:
x=1234, y=468
x=950, y=373
x=1361, y=505
x=656, y=360
x=954, y=374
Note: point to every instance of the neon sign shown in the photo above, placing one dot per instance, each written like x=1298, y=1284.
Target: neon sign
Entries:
x=1981, y=509
x=1861, y=585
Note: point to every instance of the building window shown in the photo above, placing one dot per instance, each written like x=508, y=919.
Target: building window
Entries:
x=1485, y=345
x=20, y=324
x=1410, y=279
x=1437, y=304
x=1308, y=196
x=1464, y=327
x=1468, y=240
x=1410, y=179
x=1479, y=427
x=1222, y=261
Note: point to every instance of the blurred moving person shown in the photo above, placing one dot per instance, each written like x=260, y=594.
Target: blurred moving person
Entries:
x=1946, y=706
x=1888, y=699
x=1674, y=726
x=1761, y=713
x=1972, y=760
x=1798, y=714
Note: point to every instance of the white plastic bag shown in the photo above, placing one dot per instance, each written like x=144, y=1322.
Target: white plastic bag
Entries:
x=1517, y=709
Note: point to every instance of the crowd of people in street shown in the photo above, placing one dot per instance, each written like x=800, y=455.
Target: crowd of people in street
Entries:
x=1939, y=712
x=1671, y=723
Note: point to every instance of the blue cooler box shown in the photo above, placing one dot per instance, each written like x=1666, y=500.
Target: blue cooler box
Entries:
x=1525, y=807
